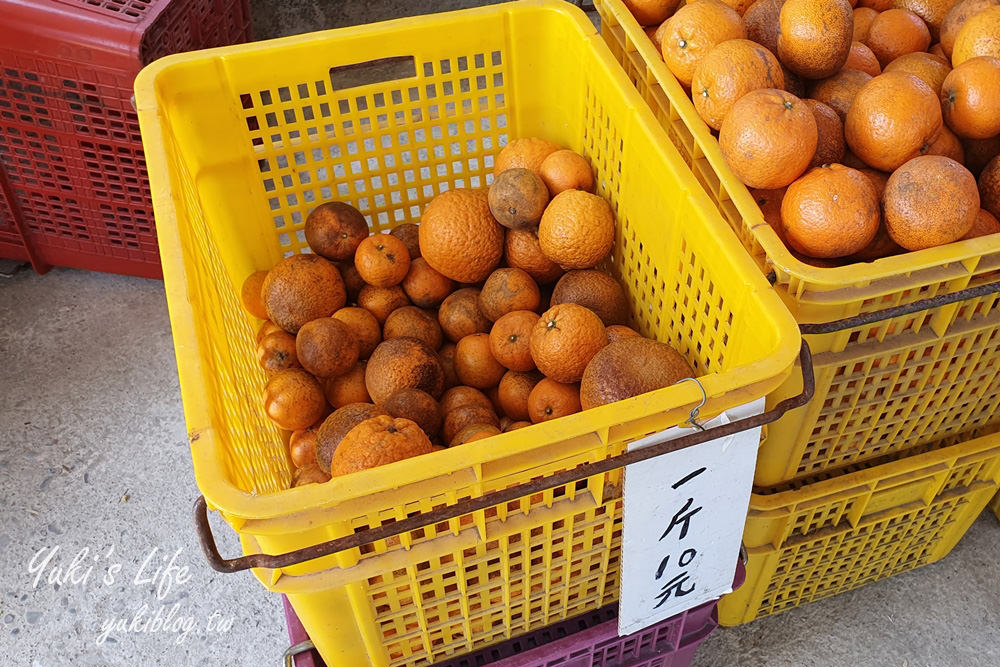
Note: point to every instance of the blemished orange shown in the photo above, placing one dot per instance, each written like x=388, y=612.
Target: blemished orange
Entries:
x=927, y=67
x=933, y=12
x=348, y=388
x=510, y=340
x=877, y=5
x=409, y=234
x=302, y=447
x=629, y=368
x=989, y=187
x=293, y=399
x=970, y=98
x=566, y=170
x=364, y=326
x=474, y=432
x=814, y=36
x=459, y=237
x=979, y=152
x=832, y=211
x=276, y=352
x=415, y=323
x=463, y=395
x=769, y=138
x=761, y=23
x=893, y=118
x=550, y=399
x=250, y=294
x=379, y=441
x=980, y=36
x=507, y=290
x=447, y=357
x=460, y=316
x=309, y=474
x=517, y=198
x=863, y=17
x=651, y=12
x=467, y=415
x=577, y=229
x=514, y=389
x=525, y=153
x=956, y=18
x=896, y=32
x=830, y=144
x=693, y=31
x=425, y=286
x=353, y=282
x=382, y=260
x=523, y=251
x=948, y=145
x=838, y=91
x=595, y=290
x=302, y=288
x=326, y=347
x=381, y=301
x=728, y=72
x=269, y=327
x=620, y=331
x=333, y=429
x=402, y=363
x=564, y=340
x=930, y=201
x=474, y=362
x=334, y=229
x=984, y=225
x=417, y=406
x=863, y=59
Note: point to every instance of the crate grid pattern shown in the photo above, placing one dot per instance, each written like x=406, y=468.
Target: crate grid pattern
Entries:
x=942, y=370
x=69, y=137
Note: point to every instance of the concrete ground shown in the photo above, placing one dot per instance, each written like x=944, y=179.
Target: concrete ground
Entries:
x=94, y=467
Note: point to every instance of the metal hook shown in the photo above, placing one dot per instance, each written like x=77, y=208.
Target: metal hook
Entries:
x=693, y=418
x=293, y=651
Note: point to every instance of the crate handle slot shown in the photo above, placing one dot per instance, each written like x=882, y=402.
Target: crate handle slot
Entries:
x=423, y=519
x=380, y=70
x=897, y=311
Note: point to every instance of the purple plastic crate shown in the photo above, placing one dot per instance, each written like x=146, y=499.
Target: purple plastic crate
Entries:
x=590, y=640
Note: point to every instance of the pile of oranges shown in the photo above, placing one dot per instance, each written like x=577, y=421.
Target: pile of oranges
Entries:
x=488, y=317
x=860, y=126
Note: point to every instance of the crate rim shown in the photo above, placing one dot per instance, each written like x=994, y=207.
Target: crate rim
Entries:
x=777, y=253
x=206, y=447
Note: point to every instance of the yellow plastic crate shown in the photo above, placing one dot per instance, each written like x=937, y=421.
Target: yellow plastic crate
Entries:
x=880, y=387
x=811, y=540
x=242, y=142
x=995, y=506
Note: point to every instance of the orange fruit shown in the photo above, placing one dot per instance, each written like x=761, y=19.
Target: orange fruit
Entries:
x=326, y=347
x=513, y=426
x=814, y=36
x=970, y=98
x=276, y=352
x=461, y=316
x=379, y=441
x=403, y=363
x=863, y=59
x=514, y=389
x=250, y=294
x=984, y=225
x=551, y=400
x=302, y=288
x=980, y=36
x=347, y=388
x=832, y=211
x=353, y=281
x=459, y=237
x=333, y=429
x=881, y=246
x=523, y=251
x=424, y=286
x=893, y=117
x=334, y=230
x=693, y=31
x=447, y=356
x=566, y=170
x=933, y=12
x=929, y=201
x=526, y=153
x=507, y=290
x=409, y=234
x=381, y=301
x=565, y=339
x=896, y=32
x=863, y=18
x=382, y=260
x=989, y=187
x=769, y=138
x=467, y=415
x=510, y=340
x=474, y=362
x=518, y=197
x=740, y=6
x=310, y=474
x=728, y=72
x=293, y=399
x=577, y=229
x=269, y=327
x=302, y=447
x=978, y=152
x=794, y=83
x=838, y=91
x=474, y=432
x=417, y=406
x=948, y=145
x=629, y=368
x=956, y=18
x=936, y=50
x=830, y=144
x=364, y=327
x=877, y=5
x=620, y=331
x=415, y=323
x=595, y=290
x=649, y=12
x=461, y=396
x=769, y=202
x=761, y=22
x=927, y=67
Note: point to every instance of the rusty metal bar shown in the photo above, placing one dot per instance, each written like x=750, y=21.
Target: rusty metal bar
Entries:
x=424, y=519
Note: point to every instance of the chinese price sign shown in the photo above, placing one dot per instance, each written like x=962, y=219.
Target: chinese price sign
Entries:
x=683, y=522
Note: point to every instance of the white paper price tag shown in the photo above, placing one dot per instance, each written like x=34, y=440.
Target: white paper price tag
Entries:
x=683, y=521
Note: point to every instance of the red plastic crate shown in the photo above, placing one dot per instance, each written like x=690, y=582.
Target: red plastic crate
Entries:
x=73, y=184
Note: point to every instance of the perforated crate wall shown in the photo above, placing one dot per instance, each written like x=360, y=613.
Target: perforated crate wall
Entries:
x=74, y=186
